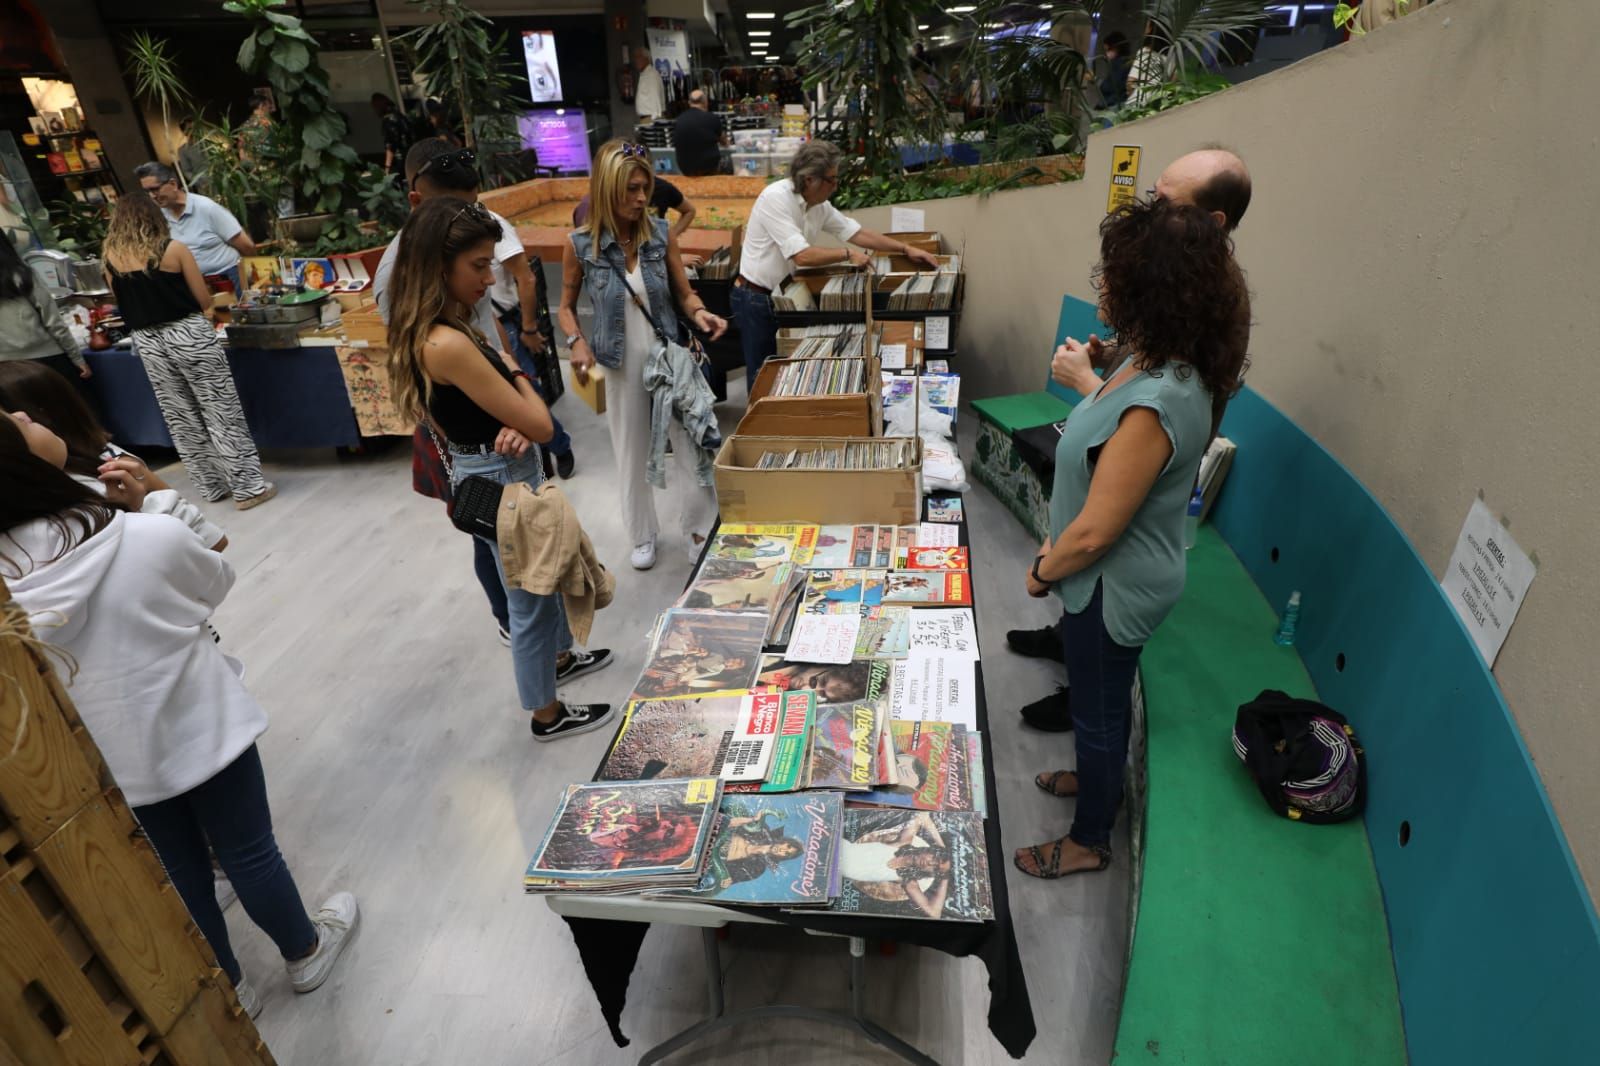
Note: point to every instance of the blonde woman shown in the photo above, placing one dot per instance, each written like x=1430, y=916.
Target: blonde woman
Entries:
x=621, y=248
x=160, y=292
x=487, y=415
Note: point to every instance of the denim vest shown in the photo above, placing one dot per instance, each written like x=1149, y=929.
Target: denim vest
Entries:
x=605, y=275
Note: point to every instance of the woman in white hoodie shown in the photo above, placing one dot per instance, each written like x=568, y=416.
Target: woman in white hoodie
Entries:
x=127, y=596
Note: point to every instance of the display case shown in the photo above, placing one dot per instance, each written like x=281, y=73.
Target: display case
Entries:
x=22, y=214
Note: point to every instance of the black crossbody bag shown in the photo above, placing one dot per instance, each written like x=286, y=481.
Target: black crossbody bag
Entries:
x=475, y=503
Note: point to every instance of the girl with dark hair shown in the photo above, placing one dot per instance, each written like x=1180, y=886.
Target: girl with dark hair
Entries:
x=31, y=327
x=485, y=411
x=92, y=460
x=127, y=597
x=160, y=293
x=1125, y=468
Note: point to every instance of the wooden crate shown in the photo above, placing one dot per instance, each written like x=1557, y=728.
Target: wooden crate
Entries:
x=101, y=963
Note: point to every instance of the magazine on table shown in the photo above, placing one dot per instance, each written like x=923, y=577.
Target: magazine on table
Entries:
x=933, y=757
x=697, y=652
x=914, y=864
x=886, y=632
x=977, y=774
x=852, y=682
x=844, y=747
x=731, y=736
x=791, y=753
x=945, y=509
x=746, y=541
x=774, y=851
x=842, y=591
x=739, y=585
x=834, y=550
x=934, y=588
x=628, y=831
x=937, y=559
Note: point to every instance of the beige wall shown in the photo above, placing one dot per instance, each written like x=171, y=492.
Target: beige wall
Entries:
x=1424, y=249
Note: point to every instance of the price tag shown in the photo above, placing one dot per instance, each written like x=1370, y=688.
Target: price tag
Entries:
x=892, y=356
x=938, y=333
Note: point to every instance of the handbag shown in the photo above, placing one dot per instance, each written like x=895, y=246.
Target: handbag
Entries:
x=475, y=503
x=1305, y=757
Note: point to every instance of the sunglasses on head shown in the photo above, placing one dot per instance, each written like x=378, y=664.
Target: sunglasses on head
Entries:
x=629, y=149
x=473, y=210
x=443, y=164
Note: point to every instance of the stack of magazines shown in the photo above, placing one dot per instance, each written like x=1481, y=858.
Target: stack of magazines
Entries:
x=627, y=837
x=821, y=377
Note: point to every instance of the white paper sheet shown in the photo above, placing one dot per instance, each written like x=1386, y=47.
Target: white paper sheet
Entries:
x=937, y=333
x=940, y=631
x=892, y=356
x=907, y=220
x=1486, y=580
x=824, y=638
x=938, y=535
x=934, y=687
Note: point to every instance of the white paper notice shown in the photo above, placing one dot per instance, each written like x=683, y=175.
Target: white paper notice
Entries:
x=892, y=356
x=824, y=638
x=937, y=335
x=944, y=632
x=907, y=220
x=934, y=687
x=938, y=535
x=1487, y=578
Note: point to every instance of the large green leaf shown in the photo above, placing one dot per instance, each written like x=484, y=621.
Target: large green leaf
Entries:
x=322, y=130
x=247, y=54
x=291, y=56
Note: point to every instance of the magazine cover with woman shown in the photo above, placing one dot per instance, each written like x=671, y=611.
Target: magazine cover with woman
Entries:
x=914, y=864
x=627, y=830
x=702, y=651
x=779, y=850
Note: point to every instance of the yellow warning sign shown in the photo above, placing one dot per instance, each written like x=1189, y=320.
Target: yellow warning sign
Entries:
x=1124, y=176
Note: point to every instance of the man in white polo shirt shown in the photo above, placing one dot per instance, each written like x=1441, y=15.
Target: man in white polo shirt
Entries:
x=202, y=225
x=785, y=222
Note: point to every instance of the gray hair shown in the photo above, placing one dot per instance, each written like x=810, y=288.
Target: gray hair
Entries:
x=160, y=171
x=813, y=160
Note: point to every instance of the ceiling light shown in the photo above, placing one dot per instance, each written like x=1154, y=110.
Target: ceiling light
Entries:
x=758, y=33
x=772, y=59
x=922, y=25
x=761, y=15
x=962, y=10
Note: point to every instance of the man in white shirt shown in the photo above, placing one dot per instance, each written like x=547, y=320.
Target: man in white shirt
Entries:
x=202, y=225
x=784, y=224
x=649, y=96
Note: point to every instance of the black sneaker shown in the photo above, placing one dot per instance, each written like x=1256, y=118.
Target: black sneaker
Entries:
x=565, y=465
x=1051, y=714
x=583, y=662
x=548, y=461
x=572, y=719
x=1036, y=643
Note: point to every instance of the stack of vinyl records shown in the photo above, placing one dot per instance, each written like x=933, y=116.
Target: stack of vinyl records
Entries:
x=845, y=292
x=820, y=377
x=717, y=268
x=794, y=296
x=885, y=454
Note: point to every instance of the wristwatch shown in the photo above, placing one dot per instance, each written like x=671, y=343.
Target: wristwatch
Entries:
x=573, y=338
x=1034, y=570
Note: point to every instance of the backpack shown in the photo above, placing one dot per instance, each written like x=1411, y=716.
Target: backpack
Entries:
x=1304, y=756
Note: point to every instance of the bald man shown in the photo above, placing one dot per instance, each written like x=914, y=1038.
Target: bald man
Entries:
x=696, y=135
x=1215, y=180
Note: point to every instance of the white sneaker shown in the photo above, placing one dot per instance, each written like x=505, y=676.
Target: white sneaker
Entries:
x=644, y=555
x=694, y=547
x=336, y=923
x=224, y=890
x=247, y=997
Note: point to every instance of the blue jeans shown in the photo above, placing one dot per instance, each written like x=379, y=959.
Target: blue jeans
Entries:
x=229, y=812
x=1100, y=672
x=758, y=329
x=561, y=443
x=494, y=586
x=539, y=630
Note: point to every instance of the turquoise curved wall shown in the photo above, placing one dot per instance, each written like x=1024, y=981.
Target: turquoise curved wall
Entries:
x=1496, y=943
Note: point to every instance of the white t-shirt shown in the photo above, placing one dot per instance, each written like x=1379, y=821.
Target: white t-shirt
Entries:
x=781, y=226
x=650, y=101
x=205, y=228
x=504, y=290
x=483, y=316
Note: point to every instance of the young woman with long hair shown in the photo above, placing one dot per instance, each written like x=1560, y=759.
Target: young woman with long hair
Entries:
x=92, y=459
x=126, y=597
x=621, y=248
x=160, y=292
x=31, y=327
x=1125, y=469
x=487, y=414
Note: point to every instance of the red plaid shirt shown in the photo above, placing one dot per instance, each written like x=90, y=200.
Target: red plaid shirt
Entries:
x=427, y=469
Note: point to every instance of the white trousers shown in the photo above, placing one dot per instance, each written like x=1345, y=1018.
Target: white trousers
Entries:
x=628, y=410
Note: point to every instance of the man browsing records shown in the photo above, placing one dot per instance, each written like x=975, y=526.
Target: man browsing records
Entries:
x=199, y=223
x=781, y=235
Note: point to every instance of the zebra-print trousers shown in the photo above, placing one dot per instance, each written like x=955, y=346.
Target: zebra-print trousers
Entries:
x=189, y=372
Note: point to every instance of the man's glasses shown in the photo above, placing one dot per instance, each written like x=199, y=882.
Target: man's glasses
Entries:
x=630, y=150
x=466, y=158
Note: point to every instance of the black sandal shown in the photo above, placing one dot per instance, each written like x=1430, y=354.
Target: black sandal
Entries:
x=1049, y=783
x=1052, y=871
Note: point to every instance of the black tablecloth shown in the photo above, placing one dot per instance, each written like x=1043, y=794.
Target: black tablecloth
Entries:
x=292, y=398
x=610, y=949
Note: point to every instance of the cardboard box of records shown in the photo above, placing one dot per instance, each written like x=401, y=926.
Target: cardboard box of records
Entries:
x=826, y=480
x=829, y=387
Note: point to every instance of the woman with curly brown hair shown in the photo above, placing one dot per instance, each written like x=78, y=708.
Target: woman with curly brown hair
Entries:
x=1125, y=469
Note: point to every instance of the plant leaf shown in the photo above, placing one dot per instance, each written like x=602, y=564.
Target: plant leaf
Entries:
x=292, y=56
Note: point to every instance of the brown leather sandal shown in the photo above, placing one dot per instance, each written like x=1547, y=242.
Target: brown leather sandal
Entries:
x=1051, y=783
x=1052, y=870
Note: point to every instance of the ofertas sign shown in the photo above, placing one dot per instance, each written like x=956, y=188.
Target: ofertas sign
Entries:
x=1487, y=579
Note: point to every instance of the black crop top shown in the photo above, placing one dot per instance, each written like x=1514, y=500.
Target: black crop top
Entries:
x=152, y=296
x=458, y=419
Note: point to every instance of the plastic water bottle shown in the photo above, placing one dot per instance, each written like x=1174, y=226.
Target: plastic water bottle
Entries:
x=1291, y=618
x=1191, y=520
